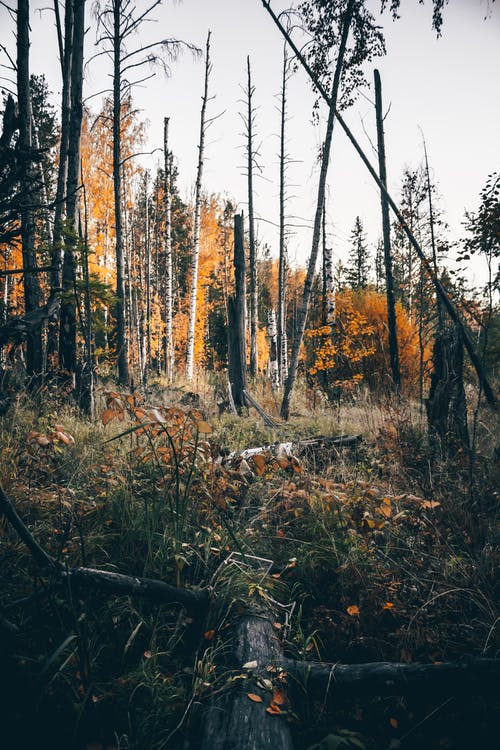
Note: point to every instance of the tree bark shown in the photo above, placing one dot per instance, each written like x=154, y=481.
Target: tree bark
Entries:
x=236, y=319
x=121, y=324
x=196, y=229
x=232, y=720
x=473, y=677
x=67, y=333
x=57, y=238
x=306, y=296
x=32, y=292
x=252, y=251
x=169, y=342
x=386, y=228
x=282, y=264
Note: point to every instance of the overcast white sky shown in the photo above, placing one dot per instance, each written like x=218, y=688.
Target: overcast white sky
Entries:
x=448, y=86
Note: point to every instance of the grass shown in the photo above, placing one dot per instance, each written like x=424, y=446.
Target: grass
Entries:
x=383, y=550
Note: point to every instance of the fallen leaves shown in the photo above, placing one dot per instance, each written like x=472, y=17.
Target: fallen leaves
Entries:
x=254, y=697
x=353, y=610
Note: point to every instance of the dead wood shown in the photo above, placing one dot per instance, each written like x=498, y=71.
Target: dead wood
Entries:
x=471, y=677
x=233, y=720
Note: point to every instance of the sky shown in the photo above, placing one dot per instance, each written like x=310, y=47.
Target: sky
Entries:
x=447, y=88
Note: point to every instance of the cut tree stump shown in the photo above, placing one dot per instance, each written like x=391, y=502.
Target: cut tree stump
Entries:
x=233, y=721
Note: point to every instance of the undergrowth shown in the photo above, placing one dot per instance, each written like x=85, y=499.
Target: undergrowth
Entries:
x=380, y=552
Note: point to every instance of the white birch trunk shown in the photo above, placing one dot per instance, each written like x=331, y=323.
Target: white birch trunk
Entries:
x=169, y=343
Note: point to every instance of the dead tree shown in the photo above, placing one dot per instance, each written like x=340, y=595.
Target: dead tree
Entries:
x=249, y=121
x=446, y=404
x=283, y=262
x=66, y=50
x=32, y=292
x=311, y=268
x=386, y=228
x=118, y=21
x=169, y=341
x=440, y=290
x=237, y=357
x=196, y=226
x=68, y=324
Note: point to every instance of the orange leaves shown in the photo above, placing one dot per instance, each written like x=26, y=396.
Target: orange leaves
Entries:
x=260, y=462
x=353, y=610
x=58, y=435
x=254, y=697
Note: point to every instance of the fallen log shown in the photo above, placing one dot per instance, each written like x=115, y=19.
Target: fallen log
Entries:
x=235, y=720
x=122, y=585
x=150, y=588
x=17, y=329
x=471, y=677
x=291, y=448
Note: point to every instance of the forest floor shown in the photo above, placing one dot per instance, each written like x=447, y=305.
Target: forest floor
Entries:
x=380, y=552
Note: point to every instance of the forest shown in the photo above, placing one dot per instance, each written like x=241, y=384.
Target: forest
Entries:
x=249, y=460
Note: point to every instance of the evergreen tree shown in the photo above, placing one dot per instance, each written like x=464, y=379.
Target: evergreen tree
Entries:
x=358, y=268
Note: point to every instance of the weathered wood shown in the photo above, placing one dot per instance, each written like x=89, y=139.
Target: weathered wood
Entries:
x=236, y=320
x=473, y=677
x=149, y=588
x=291, y=448
x=233, y=721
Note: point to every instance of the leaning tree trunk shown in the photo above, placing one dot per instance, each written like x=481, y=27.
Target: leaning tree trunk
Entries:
x=31, y=283
x=306, y=296
x=67, y=333
x=440, y=290
x=252, y=251
x=282, y=263
x=196, y=230
x=169, y=341
x=121, y=326
x=386, y=227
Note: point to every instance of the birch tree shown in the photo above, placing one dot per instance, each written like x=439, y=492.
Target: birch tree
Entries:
x=169, y=341
x=249, y=121
x=118, y=20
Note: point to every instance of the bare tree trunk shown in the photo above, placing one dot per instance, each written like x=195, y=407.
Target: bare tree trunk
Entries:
x=447, y=303
x=87, y=374
x=31, y=282
x=252, y=256
x=386, y=227
x=169, y=340
x=306, y=296
x=282, y=264
x=328, y=290
x=196, y=230
x=121, y=327
x=67, y=333
x=57, y=238
x=439, y=304
x=237, y=323
x=273, y=349
x=147, y=363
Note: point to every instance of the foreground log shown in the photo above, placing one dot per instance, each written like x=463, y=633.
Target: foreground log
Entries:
x=149, y=588
x=471, y=677
x=233, y=720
